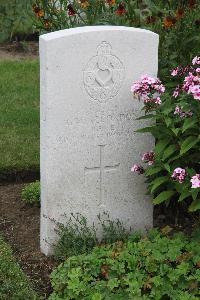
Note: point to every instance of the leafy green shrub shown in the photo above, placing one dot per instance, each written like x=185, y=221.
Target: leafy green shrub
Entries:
x=173, y=171
x=15, y=18
x=14, y=284
x=31, y=193
x=77, y=237
x=154, y=267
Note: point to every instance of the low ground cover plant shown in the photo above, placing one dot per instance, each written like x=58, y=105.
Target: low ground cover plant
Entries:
x=156, y=267
x=77, y=237
x=31, y=193
x=14, y=285
x=173, y=171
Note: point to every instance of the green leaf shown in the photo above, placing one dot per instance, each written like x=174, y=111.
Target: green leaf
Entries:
x=169, y=151
x=160, y=146
x=188, y=144
x=175, y=131
x=97, y=296
x=113, y=283
x=174, y=158
x=184, y=195
x=146, y=117
x=153, y=170
x=188, y=123
x=166, y=195
x=195, y=193
x=168, y=121
x=195, y=205
x=167, y=167
x=191, y=172
x=146, y=129
x=167, y=109
x=157, y=182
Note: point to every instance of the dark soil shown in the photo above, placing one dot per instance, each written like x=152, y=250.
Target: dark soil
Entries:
x=19, y=176
x=19, y=224
x=19, y=50
x=176, y=216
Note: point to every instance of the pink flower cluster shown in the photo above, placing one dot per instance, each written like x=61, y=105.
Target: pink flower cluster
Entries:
x=138, y=169
x=149, y=157
x=182, y=114
x=195, y=180
x=177, y=91
x=179, y=174
x=148, y=89
x=196, y=60
x=181, y=71
x=192, y=85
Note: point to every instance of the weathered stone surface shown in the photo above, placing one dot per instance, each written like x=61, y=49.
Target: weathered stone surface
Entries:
x=88, y=113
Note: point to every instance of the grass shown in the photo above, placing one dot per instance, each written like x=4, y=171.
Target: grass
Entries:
x=19, y=115
x=14, y=284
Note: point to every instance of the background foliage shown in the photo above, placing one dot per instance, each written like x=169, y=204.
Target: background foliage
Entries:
x=16, y=18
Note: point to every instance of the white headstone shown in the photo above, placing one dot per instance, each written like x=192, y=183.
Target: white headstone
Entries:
x=88, y=113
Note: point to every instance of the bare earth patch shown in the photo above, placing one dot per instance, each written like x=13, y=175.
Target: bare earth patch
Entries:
x=19, y=50
x=19, y=224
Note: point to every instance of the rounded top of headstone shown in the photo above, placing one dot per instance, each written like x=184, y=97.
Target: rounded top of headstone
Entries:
x=86, y=29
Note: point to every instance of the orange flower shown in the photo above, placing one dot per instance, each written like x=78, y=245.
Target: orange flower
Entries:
x=111, y=2
x=169, y=22
x=84, y=3
x=38, y=11
x=179, y=13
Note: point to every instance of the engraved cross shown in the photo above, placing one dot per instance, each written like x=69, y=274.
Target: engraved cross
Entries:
x=101, y=170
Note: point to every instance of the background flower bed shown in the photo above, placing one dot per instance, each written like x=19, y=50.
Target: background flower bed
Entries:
x=176, y=22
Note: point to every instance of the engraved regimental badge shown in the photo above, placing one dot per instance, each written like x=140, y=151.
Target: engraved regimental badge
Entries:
x=104, y=74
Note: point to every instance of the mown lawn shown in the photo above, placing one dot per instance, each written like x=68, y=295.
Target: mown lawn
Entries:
x=19, y=115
